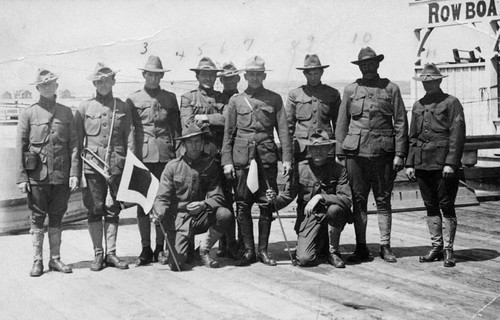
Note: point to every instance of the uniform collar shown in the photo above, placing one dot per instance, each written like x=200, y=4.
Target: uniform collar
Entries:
x=47, y=103
x=153, y=92
x=251, y=92
x=193, y=162
x=230, y=93
x=309, y=88
x=373, y=83
x=436, y=97
x=206, y=91
x=104, y=99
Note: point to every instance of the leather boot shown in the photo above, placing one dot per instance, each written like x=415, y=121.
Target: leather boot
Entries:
x=113, y=261
x=436, y=253
x=360, y=254
x=37, y=269
x=211, y=237
x=264, y=231
x=336, y=260
x=449, y=230
x=98, y=263
x=190, y=254
x=145, y=258
x=435, y=226
x=96, y=235
x=55, y=235
x=37, y=240
x=449, y=259
x=387, y=254
x=221, y=251
x=58, y=265
x=246, y=225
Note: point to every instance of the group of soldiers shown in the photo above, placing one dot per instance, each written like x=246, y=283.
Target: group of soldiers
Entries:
x=218, y=149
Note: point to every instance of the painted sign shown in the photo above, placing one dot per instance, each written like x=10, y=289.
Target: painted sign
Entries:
x=442, y=13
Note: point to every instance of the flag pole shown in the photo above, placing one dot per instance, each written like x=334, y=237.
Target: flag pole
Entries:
x=169, y=246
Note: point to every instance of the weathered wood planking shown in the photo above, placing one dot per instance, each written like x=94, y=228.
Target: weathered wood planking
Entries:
x=374, y=290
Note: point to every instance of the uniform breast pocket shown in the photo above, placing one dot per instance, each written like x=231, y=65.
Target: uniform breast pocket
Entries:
x=269, y=117
x=92, y=123
x=440, y=119
x=244, y=117
x=39, y=131
x=385, y=104
x=61, y=130
x=357, y=105
x=181, y=185
x=304, y=112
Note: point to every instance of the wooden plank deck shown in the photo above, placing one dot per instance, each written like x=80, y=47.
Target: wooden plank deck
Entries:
x=374, y=290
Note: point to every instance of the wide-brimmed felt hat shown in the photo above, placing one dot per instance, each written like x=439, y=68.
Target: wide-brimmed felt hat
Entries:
x=318, y=138
x=191, y=131
x=430, y=72
x=368, y=54
x=311, y=61
x=154, y=65
x=44, y=76
x=228, y=70
x=101, y=72
x=206, y=64
x=255, y=63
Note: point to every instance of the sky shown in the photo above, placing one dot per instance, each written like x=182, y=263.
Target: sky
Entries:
x=70, y=37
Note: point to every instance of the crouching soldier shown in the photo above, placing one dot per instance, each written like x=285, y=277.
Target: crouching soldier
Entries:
x=323, y=202
x=190, y=201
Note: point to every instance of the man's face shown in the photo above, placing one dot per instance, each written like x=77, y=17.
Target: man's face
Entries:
x=47, y=89
x=230, y=83
x=206, y=78
x=255, y=78
x=319, y=154
x=104, y=86
x=369, y=68
x=194, y=147
x=152, y=79
x=432, y=86
x=313, y=76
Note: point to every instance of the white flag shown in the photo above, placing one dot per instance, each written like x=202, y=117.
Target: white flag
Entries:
x=137, y=185
x=253, y=177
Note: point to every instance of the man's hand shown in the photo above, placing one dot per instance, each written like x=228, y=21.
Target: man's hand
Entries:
x=448, y=172
x=312, y=204
x=73, y=183
x=410, y=173
x=24, y=187
x=156, y=217
x=270, y=195
x=201, y=117
x=287, y=168
x=341, y=160
x=83, y=182
x=196, y=207
x=398, y=163
x=229, y=172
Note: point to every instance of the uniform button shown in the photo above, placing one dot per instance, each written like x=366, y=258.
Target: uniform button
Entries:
x=426, y=120
x=315, y=100
x=370, y=96
x=426, y=130
x=315, y=121
x=427, y=141
x=104, y=124
x=314, y=111
x=104, y=114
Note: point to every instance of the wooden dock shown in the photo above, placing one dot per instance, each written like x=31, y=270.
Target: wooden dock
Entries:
x=373, y=290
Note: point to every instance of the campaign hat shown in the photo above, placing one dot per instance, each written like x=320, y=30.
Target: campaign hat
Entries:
x=190, y=131
x=101, y=71
x=255, y=63
x=44, y=76
x=228, y=70
x=366, y=54
x=154, y=65
x=319, y=137
x=206, y=64
x=430, y=72
x=312, y=61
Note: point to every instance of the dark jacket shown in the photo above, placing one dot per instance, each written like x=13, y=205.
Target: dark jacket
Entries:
x=47, y=129
x=437, y=133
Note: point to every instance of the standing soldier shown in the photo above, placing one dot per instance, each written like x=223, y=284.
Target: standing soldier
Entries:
x=203, y=106
x=190, y=201
x=104, y=126
x=251, y=118
x=229, y=77
x=437, y=137
x=372, y=130
x=312, y=106
x=155, y=115
x=47, y=161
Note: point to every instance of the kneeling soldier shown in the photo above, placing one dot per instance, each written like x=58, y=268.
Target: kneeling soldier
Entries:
x=190, y=199
x=323, y=201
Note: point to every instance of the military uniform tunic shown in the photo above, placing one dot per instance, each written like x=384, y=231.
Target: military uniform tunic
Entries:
x=93, y=122
x=309, y=108
x=47, y=129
